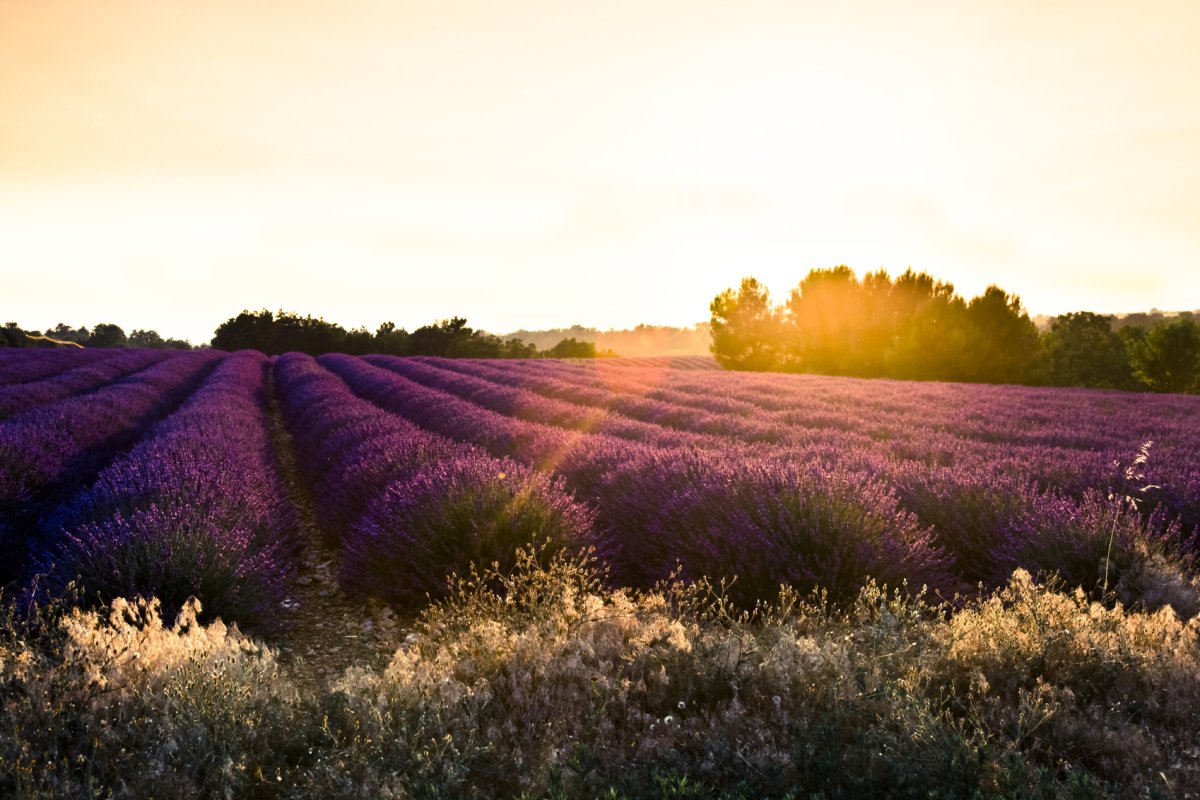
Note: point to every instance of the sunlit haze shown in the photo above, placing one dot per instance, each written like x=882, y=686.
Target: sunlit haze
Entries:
x=533, y=164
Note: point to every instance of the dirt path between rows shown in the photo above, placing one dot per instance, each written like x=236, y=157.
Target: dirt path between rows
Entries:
x=327, y=631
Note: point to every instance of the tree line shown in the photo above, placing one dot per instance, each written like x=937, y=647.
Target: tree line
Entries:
x=284, y=331
x=105, y=334
x=916, y=327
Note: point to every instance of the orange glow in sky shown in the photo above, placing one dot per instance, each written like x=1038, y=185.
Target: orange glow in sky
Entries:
x=535, y=164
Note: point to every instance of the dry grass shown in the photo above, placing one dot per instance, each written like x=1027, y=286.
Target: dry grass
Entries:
x=541, y=682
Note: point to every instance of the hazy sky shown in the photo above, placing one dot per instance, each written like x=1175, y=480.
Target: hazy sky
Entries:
x=537, y=164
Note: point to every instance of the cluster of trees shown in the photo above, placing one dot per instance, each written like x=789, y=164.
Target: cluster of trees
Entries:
x=916, y=327
x=105, y=334
x=284, y=331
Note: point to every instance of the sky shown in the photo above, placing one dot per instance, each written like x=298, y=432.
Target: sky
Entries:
x=540, y=164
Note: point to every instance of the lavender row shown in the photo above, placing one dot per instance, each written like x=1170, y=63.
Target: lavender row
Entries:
x=531, y=443
x=635, y=408
x=1012, y=415
x=1061, y=454
x=34, y=363
x=714, y=513
x=196, y=508
x=533, y=407
x=1056, y=452
x=406, y=506
x=52, y=451
x=703, y=391
x=81, y=379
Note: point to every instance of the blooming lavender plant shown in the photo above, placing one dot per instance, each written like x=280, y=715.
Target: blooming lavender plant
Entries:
x=194, y=509
x=22, y=365
x=451, y=515
x=79, y=380
x=48, y=453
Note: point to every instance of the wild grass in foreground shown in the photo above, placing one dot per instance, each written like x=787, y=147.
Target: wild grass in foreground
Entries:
x=540, y=682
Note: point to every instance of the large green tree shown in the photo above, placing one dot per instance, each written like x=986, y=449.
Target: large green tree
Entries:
x=825, y=318
x=1082, y=349
x=1167, y=357
x=912, y=327
x=11, y=335
x=932, y=340
x=1002, y=340
x=107, y=334
x=746, y=329
x=929, y=342
x=278, y=333
x=391, y=340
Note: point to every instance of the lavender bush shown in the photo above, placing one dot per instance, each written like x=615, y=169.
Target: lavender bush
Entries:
x=50, y=452
x=452, y=515
x=81, y=379
x=194, y=509
x=22, y=365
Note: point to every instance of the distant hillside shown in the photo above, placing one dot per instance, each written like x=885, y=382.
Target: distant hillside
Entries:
x=644, y=340
x=1141, y=319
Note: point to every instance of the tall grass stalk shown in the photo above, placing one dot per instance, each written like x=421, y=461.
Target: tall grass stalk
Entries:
x=1133, y=473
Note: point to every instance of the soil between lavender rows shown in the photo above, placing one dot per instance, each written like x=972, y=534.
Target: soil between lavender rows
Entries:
x=327, y=630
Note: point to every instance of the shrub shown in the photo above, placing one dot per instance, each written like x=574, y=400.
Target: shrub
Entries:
x=1078, y=684
x=540, y=682
x=979, y=519
x=116, y=703
x=1108, y=549
x=172, y=553
x=766, y=523
x=450, y=515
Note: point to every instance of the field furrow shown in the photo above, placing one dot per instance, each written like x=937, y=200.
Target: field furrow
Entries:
x=406, y=506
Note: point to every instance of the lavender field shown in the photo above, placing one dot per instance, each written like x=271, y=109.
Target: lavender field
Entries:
x=673, y=581
x=156, y=474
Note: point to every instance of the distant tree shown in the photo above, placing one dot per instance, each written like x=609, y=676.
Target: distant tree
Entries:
x=358, y=341
x=453, y=338
x=641, y=340
x=1003, y=341
x=247, y=331
x=278, y=333
x=1166, y=358
x=391, y=340
x=65, y=333
x=932, y=334
x=434, y=340
x=1082, y=349
x=572, y=348
x=141, y=338
x=1140, y=319
x=746, y=330
x=307, y=334
x=152, y=339
x=516, y=348
x=825, y=319
x=283, y=331
x=107, y=334
x=11, y=335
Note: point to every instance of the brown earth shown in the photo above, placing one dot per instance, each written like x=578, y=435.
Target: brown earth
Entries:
x=327, y=631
